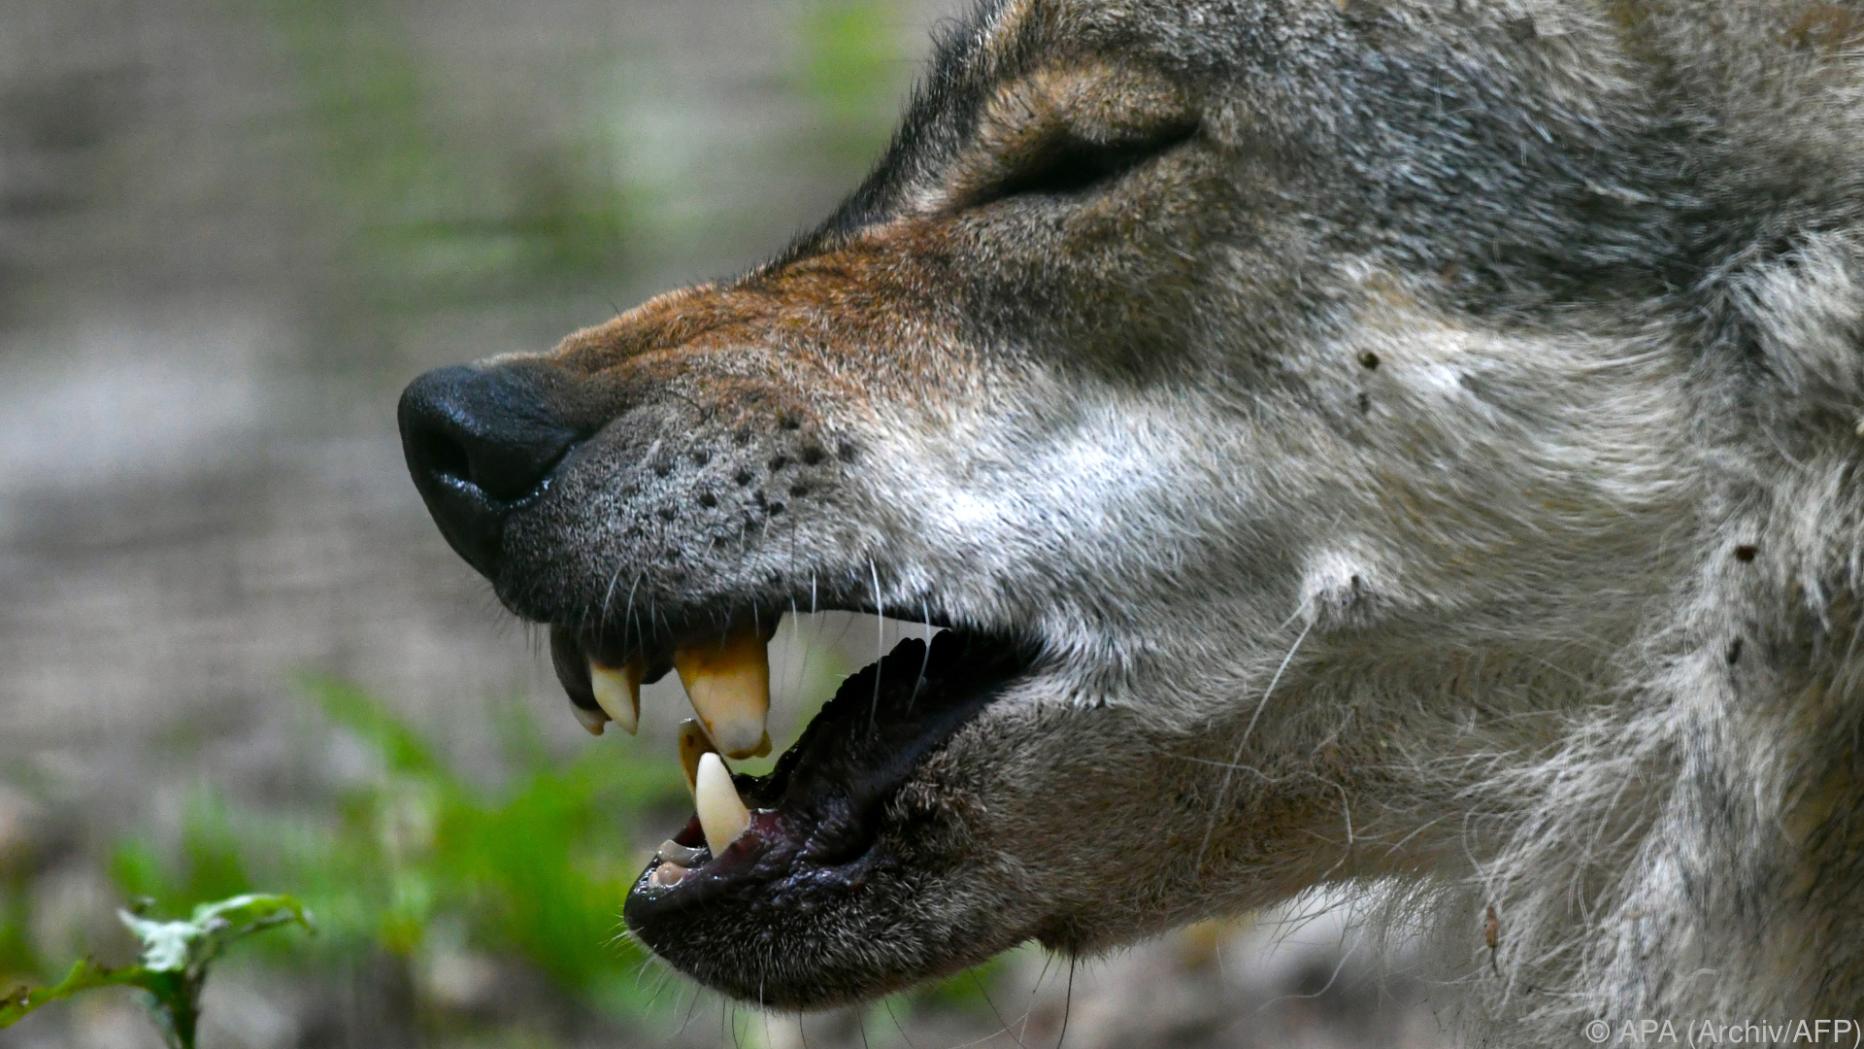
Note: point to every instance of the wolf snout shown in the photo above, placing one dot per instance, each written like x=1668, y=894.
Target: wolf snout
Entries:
x=480, y=442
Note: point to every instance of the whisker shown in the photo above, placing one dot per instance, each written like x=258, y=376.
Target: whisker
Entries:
x=1223, y=789
x=925, y=615
x=985, y=991
x=1029, y=1010
x=1067, y=1009
x=692, y=1010
x=880, y=639
x=904, y=1037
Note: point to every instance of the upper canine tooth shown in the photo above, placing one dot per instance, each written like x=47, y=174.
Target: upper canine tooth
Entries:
x=618, y=692
x=593, y=720
x=692, y=744
x=722, y=815
x=729, y=686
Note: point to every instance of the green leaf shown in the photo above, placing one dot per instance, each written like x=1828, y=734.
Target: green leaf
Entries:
x=173, y=967
x=188, y=946
x=84, y=976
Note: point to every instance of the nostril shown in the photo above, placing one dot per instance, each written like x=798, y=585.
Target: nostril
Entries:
x=444, y=456
x=488, y=428
x=479, y=442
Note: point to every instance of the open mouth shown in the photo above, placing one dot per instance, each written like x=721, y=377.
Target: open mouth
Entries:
x=809, y=830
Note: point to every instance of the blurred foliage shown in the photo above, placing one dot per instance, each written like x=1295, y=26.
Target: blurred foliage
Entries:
x=430, y=215
x=533, y=872
x=850, y=50
x=419, y=861
x=173, y=965
x=17, y=954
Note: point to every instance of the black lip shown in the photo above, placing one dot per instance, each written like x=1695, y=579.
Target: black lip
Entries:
x=570, y=660
x=817, y=816
x=570, y=655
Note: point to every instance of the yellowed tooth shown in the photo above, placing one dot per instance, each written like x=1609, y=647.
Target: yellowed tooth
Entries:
x=593, y=720
x=618, y=692
x=692, y=744
x=729, y=686
x=722, y=815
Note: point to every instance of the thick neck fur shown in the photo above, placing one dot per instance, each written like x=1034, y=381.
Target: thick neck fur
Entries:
x=1692, y=846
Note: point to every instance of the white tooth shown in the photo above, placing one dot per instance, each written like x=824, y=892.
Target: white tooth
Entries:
x=593, y=720
x=729, y=686
x=692, y=744
x=673, y=852
x=618, y=691
x=722, y=815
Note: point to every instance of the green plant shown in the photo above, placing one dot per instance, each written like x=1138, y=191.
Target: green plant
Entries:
x=416, y=860
x=174, y=962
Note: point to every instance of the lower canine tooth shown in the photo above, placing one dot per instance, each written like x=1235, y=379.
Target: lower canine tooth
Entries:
x=618, y=692
x=593, y=720
x=722, y=815
x=729, y=686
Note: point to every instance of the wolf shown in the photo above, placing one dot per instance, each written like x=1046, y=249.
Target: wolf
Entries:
x=1404, y=449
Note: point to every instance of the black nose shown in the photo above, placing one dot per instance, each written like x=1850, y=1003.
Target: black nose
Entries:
x=480, y=442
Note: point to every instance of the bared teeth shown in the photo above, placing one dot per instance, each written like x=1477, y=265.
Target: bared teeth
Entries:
x=593, y=720
x=729, y=686
x=692, y=744
x=618, y=692
x=722, y=815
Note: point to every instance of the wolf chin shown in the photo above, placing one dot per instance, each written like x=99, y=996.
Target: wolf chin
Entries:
x=1397, y=447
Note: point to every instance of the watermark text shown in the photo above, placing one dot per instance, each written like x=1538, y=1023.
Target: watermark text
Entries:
x=1833, y=1033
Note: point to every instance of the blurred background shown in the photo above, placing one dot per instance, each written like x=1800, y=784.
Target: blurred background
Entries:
x=236, y=653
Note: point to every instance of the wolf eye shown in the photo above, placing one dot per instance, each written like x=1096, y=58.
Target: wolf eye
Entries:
x=1073, y=166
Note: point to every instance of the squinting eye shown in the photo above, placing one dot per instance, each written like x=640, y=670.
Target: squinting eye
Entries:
x=1072, y=166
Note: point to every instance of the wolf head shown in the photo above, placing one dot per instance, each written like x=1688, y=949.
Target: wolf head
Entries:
x=1327, y=417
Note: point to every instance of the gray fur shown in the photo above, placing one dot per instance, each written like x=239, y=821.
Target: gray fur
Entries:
x=1439, y=476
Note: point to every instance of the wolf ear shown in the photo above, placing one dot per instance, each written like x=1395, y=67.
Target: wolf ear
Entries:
x=1800, y=310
